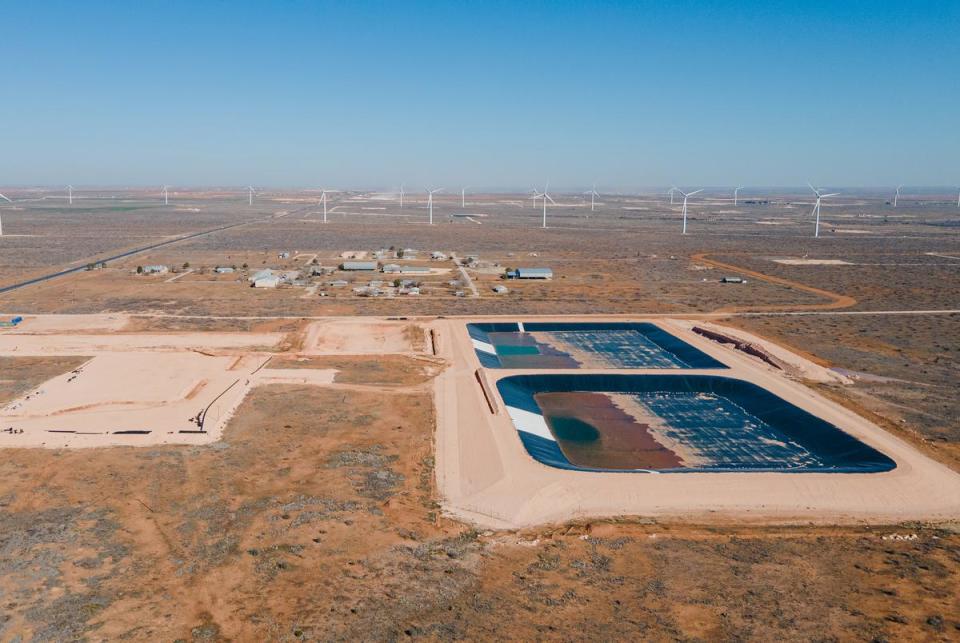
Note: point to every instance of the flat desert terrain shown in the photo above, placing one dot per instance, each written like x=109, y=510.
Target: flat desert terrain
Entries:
x=186, y=457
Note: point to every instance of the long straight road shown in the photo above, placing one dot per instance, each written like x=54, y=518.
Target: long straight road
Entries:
x=129, y=253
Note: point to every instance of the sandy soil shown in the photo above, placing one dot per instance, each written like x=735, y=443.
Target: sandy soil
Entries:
x=20, y=374
x=315, y=519
x=798, y=366
x=40, y=324
x=144, y=389
x=347, y=336
x=812, y=262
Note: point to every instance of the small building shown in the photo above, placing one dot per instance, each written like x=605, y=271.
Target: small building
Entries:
x=339, y=283
x=271, y=281
x=261, y=274
x=391, y=267
x=436, y=255
x=501, y=290
x=733, y=280
x=359, y=265
x=155, y=270
x=283, y=255
x=223, y=270
x=530, y=273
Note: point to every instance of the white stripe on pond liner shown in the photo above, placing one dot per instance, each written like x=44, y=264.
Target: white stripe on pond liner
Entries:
x=530, y=423
x=483, y=346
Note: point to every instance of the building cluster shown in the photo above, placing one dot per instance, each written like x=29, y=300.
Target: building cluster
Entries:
x=399, y=272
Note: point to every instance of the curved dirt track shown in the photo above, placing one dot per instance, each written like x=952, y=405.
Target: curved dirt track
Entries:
x=836, y=299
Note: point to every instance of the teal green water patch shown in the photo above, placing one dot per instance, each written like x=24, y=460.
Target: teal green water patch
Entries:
x=573, y=429
x=517, y=350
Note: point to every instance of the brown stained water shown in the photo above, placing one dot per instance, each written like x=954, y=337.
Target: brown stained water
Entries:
x=593, y=432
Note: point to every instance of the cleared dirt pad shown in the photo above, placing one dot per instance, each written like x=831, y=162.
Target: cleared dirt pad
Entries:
x=355, y=337
x=20, y=374
x=384, y=370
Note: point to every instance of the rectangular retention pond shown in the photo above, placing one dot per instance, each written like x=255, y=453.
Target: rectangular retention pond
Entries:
x=675, y=423
x=583, y=345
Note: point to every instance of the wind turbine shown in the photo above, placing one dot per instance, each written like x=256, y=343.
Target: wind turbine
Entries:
x=250, y=192
x=958, y=199
x=323, y=201
x=896, y=196
x=544, y=195
x=4, y=197
x=670, y=192
x=430, y=201
x=70, y=193
x=463, y=198
x=735, y=190
x=593, y=194
x=166, y=198
x=686, y=195
x=401, y=196
x=534, y=194
x=816, y=207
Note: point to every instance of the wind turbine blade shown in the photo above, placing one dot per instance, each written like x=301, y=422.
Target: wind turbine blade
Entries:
x=824, y=196
x=4, y=197
x=550, y=197
x=695, y=192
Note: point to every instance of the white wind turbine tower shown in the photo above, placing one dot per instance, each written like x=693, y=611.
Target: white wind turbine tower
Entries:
x=4, y=197
x=686, y=195
x=735, y=191
x=463, y=198
x=250, y=193
x=958, y=199
x=896, y=197
x=670, y=192
x=70, y=194
x=816, y=207
x=401, y=196
x=544, y=195
x=430, y=201
x=534, y=194
x=593, y=195
x=323, y=201
x=166, y=196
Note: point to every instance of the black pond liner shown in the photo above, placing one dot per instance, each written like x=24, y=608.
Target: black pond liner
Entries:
x=836, y=450
x=689, y=355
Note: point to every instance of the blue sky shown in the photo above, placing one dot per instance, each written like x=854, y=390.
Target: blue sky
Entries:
x=492, y=94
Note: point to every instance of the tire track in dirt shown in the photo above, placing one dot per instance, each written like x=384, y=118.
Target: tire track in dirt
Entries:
x=836, y=299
